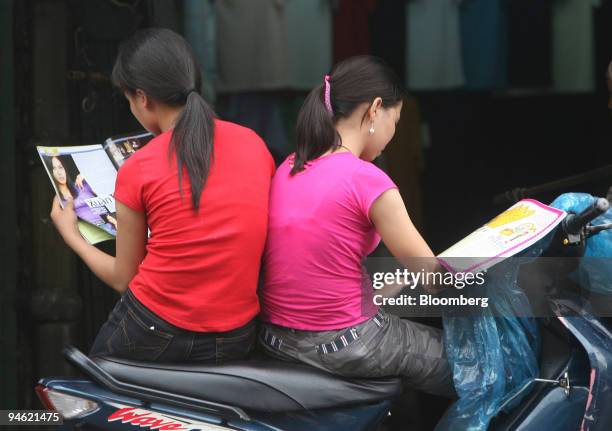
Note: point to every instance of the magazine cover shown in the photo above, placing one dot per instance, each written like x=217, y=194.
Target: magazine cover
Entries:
x=86, y=174
x=510, y=232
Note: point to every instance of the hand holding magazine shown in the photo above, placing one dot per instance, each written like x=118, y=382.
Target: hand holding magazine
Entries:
x=86, y=174
x=510, y=232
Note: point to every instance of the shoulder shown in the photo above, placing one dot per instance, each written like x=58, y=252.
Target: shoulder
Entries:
x=367, y=169
x=154, y=146
x=285, y=167
x=369, y=181
x=227, y=129
x=157, y=147
x=351, y=167
x=242, y=143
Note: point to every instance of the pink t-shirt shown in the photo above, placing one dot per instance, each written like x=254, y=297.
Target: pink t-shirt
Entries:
x=319, y=232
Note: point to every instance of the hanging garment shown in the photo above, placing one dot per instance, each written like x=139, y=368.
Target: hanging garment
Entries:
x=530, y=43
x=200, y=32
x=309, y=42
x=252, y=45
x=433, y=45
x=388, y=29
x=484, y=43
x=351, y=28
x=573, y=45
x=164, y=13
x=260, y=111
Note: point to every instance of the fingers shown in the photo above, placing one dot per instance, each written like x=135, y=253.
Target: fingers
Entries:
x=56, y=206
x=56, y=209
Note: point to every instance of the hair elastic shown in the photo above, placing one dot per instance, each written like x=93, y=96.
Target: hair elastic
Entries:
x=327, y=98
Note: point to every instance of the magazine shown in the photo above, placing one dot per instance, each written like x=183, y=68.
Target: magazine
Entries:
x=511, y=232
x=87, y=174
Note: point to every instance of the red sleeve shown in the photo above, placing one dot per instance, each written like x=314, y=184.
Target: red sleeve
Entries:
x=129, y=185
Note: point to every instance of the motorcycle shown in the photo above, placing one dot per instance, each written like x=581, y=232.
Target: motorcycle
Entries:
x=572, y=391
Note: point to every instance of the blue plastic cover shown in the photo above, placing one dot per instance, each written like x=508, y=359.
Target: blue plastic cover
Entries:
x=493, y=358
x=593, y=274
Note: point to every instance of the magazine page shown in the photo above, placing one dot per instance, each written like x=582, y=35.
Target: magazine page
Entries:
x=86, y=175
x=120, y=148
x=510, y=232
x=93, y=234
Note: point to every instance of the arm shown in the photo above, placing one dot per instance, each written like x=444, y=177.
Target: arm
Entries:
x=391, y=290
x=389, y=215
x=117, y=271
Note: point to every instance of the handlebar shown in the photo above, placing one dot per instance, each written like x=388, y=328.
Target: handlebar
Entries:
x=574, y=223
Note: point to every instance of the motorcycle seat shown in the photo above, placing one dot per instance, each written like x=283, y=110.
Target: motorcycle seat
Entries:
x=259, y=385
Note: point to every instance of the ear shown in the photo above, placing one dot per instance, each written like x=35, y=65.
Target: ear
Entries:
x=374, y=107
x=143, y=100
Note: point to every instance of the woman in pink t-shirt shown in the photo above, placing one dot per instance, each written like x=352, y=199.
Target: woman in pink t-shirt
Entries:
x=329, y=208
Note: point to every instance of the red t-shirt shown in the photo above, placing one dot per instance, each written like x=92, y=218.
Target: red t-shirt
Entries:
x=201, y=269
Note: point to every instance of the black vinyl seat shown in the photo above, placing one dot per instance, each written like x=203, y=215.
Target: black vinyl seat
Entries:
x=258, y=385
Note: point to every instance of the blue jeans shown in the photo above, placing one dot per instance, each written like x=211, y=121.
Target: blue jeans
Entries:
x=132, y=331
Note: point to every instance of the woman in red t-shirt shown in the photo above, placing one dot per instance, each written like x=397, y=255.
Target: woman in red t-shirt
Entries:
x=201, y=188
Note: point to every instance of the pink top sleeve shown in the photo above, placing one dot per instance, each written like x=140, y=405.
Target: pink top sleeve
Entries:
x=369, y=182
x=129, y=186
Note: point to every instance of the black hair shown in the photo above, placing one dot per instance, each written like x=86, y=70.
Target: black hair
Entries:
x=161, y=63
x=68, y=168
x=352, y=82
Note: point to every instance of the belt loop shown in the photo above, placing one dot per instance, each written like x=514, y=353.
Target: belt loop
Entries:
x=378, y=319
x=272, y=340
x=340, y=342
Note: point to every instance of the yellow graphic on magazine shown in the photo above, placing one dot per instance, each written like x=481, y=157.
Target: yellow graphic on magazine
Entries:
x=511, y=215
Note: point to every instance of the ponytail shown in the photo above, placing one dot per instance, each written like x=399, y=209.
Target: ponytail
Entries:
x=192, y=142
x=352, y=82
x=315, y=131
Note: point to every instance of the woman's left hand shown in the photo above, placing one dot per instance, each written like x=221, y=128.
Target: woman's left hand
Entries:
x=65, y=220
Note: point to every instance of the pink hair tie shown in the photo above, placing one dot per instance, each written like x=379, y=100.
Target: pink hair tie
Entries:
x=328, y=104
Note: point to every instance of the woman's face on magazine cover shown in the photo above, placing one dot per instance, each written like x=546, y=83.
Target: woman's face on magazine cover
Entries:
x=59, y=173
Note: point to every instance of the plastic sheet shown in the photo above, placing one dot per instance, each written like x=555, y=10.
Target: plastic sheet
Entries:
x=494, y=359
x=595, y=272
